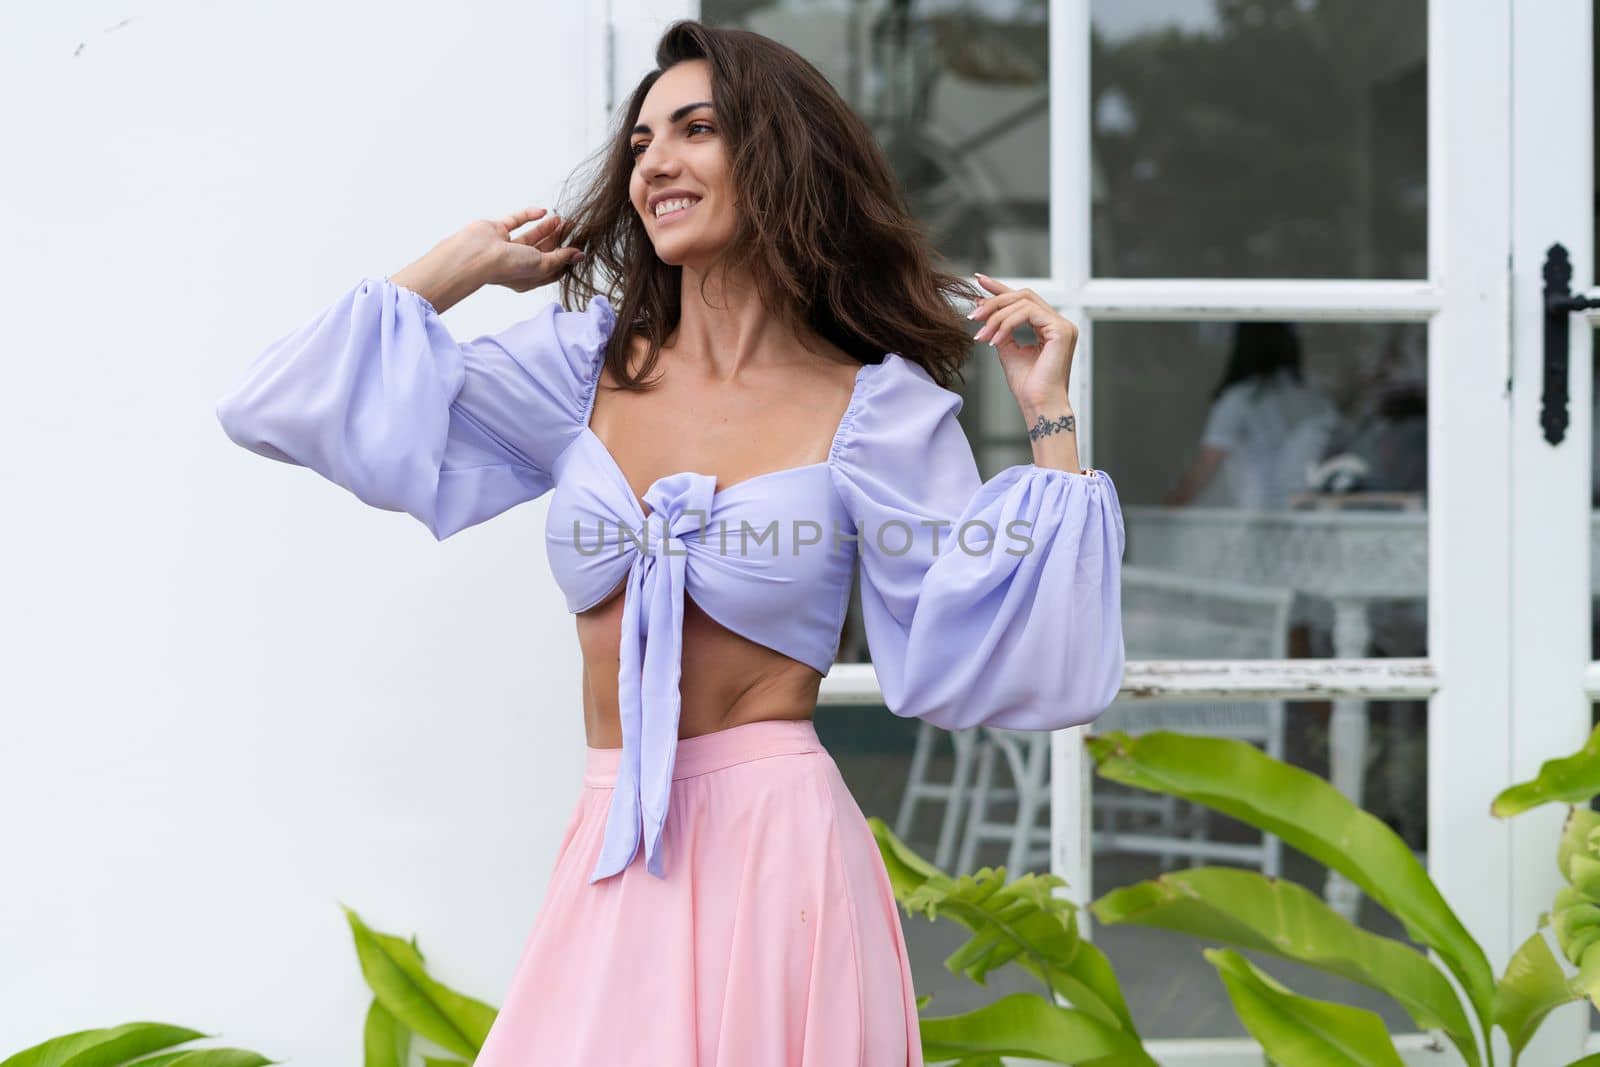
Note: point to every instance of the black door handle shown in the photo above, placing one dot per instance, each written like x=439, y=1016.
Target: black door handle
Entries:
x=1558, y=304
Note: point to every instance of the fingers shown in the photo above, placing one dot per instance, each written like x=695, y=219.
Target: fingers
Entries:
x=551, y=262
x=551, y=240
x=1007, y=309
x=999, y=328
x=1002, y=296
x=517, y=218
x=541, y=233
x=545, y=235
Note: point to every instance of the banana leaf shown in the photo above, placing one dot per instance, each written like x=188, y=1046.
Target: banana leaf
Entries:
x=1309, y=814
x=1297, y=1031
x=1247, y=910
x=1025, y=1024
x=1568, y=780
x=394, y=970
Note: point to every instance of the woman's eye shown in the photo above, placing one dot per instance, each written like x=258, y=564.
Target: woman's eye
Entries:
x=638, y=147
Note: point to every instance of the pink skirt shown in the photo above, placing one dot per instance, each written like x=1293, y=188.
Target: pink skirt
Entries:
x=774, y=940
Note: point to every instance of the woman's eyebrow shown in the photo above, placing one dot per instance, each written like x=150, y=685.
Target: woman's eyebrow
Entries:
x=676, y=115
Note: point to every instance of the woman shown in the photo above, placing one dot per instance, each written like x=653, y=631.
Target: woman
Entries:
x=718, y=897
x=1265, y=426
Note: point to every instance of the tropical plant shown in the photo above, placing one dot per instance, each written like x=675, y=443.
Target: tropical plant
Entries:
x=409, y=1002
x=144, y=1044
x=1246, y=910
x=1574, y=916
x=1023, y=922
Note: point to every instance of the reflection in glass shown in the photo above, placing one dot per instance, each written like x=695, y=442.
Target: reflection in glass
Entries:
x=958, y=95
x=1275, y=456
x=1259, y=139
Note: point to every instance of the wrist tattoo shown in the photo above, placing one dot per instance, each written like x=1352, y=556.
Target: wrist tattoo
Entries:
x=1045, y=427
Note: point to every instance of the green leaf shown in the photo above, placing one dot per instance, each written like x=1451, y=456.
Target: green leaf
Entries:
x=1298, y=1031
x=105, y=1047
x=385, y=1042
x=1570, y=779
x=1586, y=983
x=1533, y=986
x=440, y=1061
x=1309, y=814
x=1244, y=909
x=1591, y=1060
x=1576, y=920
x=904, y=865
x=394, y=970
x=208, y=1057
x=1024, y=921
x=1580, y=840
x=1022, y=1024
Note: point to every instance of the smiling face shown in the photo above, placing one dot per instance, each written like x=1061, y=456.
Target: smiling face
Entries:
x=681, y=186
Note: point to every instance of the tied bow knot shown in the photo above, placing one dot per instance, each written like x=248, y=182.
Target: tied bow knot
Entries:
x=651, y=656
x=662, y=532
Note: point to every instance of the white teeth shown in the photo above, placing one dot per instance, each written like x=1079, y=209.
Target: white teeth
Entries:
x=673, y=205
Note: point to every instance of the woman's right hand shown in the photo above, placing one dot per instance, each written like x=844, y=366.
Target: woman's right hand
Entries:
x=525, y=261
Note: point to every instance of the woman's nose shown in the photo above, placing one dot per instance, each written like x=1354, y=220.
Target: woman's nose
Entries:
x=657, y=161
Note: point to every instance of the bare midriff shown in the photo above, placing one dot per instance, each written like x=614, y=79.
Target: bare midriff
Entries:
x=785, y=416
x=727, y=679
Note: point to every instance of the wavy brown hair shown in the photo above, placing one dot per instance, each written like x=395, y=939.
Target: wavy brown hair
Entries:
x=823, y=229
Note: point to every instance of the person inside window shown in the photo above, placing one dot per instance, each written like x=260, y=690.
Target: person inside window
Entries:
x=1264, y=427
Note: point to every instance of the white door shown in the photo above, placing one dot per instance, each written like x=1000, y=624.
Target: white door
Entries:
x=1332, y=167
x=1554, y=680
x=1212, y=190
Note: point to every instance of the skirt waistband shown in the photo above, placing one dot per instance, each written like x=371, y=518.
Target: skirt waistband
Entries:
x=718, y=749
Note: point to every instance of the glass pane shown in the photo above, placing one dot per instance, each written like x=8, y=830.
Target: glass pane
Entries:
x=1268, y=467
x=959, y=96
x=1259, y=138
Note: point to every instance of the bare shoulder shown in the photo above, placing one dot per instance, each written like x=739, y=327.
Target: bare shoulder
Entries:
x=836, y=368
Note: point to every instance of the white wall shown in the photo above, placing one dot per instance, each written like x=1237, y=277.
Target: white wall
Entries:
x=233, y=696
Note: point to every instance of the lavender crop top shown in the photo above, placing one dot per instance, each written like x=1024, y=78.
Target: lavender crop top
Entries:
x=993, y=602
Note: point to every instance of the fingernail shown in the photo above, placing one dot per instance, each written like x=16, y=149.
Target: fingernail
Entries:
x=579, y=256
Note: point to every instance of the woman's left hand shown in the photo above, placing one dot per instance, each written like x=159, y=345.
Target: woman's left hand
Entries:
x=1037, y=374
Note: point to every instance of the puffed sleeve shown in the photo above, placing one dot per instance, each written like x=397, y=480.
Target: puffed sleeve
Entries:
x=995, y=603
x=375, y=395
